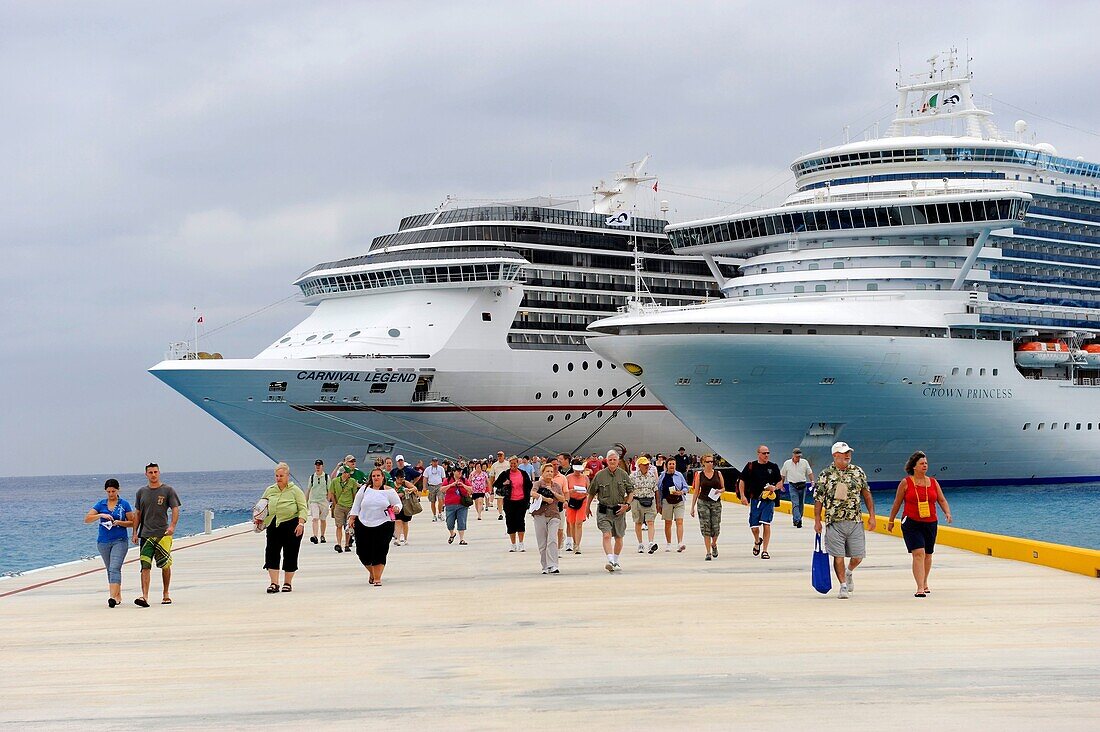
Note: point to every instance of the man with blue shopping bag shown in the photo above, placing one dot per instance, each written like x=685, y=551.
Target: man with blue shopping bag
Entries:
x=836, y=498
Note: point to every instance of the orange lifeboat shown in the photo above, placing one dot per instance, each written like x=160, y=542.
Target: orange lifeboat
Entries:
x=1092, y=355
x=1040, y=354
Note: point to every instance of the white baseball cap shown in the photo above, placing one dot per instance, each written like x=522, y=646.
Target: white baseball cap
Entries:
x=841, y=447
x=399, y=458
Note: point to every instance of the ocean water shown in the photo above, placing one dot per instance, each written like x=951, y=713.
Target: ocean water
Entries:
x=41, y=518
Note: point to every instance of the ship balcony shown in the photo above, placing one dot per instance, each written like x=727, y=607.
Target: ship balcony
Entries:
x=430, y=397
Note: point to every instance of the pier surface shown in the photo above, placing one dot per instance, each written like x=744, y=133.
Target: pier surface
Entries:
x=473, y=637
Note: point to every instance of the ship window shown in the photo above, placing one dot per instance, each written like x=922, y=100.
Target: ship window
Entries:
x=838, y=265
x=970, y=372
x=584, y=365
x=872, y=286
x=538, y=395
x=586, y=392
x=312, y=337
x=1026, y=425
x=1041, y=424
x=330, y=387
x=759, y=290
x=643, y=392
x=379, y=388
x=569, y=366
x=1065, y=425
x=549, y=418
x=285, y=340
x=570, y=393
x=394, y=333
x=599, y=392
x=614, y=392
x=326, y=336
x=599, y=413
x=1078, y=425
x=819, y=288
x=787, y=331
x=599, y=364
x=799, y=288
x=277, y=386
x=486, y=317
x=354, y=333
x=613, y=367
x=955, y=371
x=906, y=263
x=683, y=381
x=568, y=415
x=828, y=380
x=810, y=331
x=554, y=395
x=994, y=372
x=1090, y=425
x=555, y=368
x=813, y=266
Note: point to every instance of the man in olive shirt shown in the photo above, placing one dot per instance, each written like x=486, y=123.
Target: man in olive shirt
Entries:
x=341, y=491
x=613, y=488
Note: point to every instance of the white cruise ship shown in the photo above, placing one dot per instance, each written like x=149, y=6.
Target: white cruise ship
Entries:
x=459, y=334
x=935, y=289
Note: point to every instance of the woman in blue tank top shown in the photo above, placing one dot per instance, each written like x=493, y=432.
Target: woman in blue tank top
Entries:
x=114, y=516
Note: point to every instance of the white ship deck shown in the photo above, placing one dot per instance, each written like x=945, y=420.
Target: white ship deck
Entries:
x=475, y=638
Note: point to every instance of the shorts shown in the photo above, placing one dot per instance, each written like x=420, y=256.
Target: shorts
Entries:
x=156, y=549
x=845, y=539
x=478, y=495
x=319, y=511
x=761, y=511
x=609, y=523
x=340, y=513
x=641, y=513
x=404, y=517
x=576, y=515
x=672, y=511
x=710, y=517
x=919, y=535
x=435, y=492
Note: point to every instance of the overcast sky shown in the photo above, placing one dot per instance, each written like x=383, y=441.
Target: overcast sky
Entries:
x=161, y=158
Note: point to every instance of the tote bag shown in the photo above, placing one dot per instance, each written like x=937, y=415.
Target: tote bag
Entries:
x=821, y=575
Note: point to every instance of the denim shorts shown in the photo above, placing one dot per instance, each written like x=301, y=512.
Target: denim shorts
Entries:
x=761, y=511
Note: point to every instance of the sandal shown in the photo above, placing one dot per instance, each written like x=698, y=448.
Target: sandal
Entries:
x=462, y=543
x=451, y=540
x=919, y=594
x=272, y=588
x=141, y=602
x=166, y=601
x=370, y=580
x=926, y=591
x=765, y=555
x=756, y=547
x=287, y=588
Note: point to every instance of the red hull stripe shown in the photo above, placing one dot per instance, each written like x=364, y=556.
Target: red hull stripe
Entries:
x=476, y=408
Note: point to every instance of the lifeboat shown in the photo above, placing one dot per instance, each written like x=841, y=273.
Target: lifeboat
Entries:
x=1092, y=355
x=1040, y=354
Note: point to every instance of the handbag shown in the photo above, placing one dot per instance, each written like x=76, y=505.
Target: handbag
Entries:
x=821, y=576
x=410, y=503
x=465, y=499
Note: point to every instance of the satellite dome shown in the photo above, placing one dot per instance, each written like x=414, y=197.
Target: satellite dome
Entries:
x=1020, y=126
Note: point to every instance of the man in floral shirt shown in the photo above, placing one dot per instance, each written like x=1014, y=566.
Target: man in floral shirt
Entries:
x=836, y=496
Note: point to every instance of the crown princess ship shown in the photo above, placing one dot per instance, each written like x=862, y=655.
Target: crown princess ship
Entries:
x=937, y=289
x=460, y=334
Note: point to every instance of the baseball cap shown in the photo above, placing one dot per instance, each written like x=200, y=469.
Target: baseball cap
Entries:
x=399, y=457
x=318, y=461
x=796, y=451
x=349, y=457
x=578, y=467
x=643, y=460
x=436, y=460
x=841, y=447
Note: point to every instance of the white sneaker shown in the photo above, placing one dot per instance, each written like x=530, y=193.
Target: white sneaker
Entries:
x=616, y=566
x=546, y=570
x=521, y=547
x=843, y=591
x=668, y=547
x=849, y=581
x=512, y=548
x=554, y=570
x=681, y=547
x=641, y=548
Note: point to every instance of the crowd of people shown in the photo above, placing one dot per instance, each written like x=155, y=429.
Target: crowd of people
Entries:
x=373, y=511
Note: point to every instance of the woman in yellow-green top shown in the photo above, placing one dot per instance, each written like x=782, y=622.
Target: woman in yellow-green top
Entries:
x=286, y=519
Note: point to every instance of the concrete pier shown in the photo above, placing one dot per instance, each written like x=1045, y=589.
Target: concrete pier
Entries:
x=473, y=637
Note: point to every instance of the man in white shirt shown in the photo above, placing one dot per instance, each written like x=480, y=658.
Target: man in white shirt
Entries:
x=797, y=473
x=496, y=469
x=433, y=476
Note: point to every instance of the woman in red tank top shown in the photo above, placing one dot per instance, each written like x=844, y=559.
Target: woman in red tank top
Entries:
x=920, y=493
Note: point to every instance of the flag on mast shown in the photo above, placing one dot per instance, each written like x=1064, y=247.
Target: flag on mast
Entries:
x=199, y=320
x=622, y=218
x=654, y=186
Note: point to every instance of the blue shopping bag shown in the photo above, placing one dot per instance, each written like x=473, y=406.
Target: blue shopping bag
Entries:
x=821, y=574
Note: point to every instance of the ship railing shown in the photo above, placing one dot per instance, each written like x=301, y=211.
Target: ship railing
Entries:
x=1078, y=190
x=897, y=193
x=426, y=397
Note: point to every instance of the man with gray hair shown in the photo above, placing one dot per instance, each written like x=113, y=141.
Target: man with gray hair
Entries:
x=836, y=498
x=614, y=490
x=798, y=473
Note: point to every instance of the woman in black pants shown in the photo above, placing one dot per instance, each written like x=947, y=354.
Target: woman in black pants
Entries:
x=514, y=486
x=371, y=519
x=286, y=520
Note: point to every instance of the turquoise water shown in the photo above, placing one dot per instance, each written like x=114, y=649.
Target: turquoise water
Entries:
x=41, y=518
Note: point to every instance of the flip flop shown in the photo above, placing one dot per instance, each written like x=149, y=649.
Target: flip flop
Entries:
x=919, y=594
x=927, y=591
x=141, y=602
x=111, y=602
x=756, y=548
x=166, y=601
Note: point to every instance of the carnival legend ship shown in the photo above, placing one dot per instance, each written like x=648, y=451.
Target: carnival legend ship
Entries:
x=935, y=289
x=460, y=334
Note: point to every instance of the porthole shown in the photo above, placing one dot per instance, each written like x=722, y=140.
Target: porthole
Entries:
x=629, y=414
x=599, y=392
x=970, y=372
x=285, y=340
x=549, y=418
x=394, y=333
x=567, y=416
x=643, y=391
x=584, y=365
x=354, y=333
x=555, y=368
x=312, y=337
x=614, y=392
x=1027, y=425
x=570, y=393
x=569, y=366
x=981, y=372
x=586, y=392
x=554, y=395
x=599, y=364
x=599, y=413
x=613, y=367
x=538, y=395
x=326, y=336
x=994, y=372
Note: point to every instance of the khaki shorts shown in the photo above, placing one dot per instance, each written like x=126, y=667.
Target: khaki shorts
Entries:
x=609, y=523
x=340, y=513
x=672, y=511
x=640, y=513
x=845, y=539
x=319, y=511
x=435, y=492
